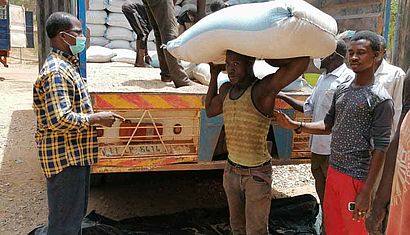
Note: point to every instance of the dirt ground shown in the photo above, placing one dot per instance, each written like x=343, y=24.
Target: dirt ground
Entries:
x=23, y=203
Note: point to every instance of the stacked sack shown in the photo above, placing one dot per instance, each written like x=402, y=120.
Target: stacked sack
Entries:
x=109, y=28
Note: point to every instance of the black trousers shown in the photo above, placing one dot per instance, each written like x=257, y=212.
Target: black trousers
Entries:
x=138, y=19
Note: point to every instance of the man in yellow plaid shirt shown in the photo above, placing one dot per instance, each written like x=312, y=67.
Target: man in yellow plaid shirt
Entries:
x=66, y=135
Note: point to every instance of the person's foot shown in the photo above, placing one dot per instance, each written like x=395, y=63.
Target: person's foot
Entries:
x=141, y=64
x=165, y=79
x=189, y=83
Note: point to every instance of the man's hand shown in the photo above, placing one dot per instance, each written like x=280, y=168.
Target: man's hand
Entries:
x=362, y=205
x=375, y=219
x=215, y=69
x=105, y=118
x=284, y=121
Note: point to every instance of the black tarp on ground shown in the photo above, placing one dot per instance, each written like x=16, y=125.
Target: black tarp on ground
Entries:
x=296, y=215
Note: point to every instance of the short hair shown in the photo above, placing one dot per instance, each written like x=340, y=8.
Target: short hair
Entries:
x=247, y=58
x=217, y=5
x=341, y=47
x=370, y=36
x=57, y=22
x=383, y=43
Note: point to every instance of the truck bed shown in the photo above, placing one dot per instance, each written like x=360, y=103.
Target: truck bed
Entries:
x=125, y=78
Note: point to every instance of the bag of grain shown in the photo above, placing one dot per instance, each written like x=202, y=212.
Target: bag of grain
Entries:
x=99, y=54
x=119, y=33
x=119, y=44
x=96, y=5
x=97, y=30
x=96, y=17
x=124, y=55
x=118, y=19
x=274, y=30
x=98, y=41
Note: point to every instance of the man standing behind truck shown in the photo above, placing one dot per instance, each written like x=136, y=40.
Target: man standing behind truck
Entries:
x=138, y=19
x=247, y=104
x=66, y=135
x=317, y=105
x=161, y=14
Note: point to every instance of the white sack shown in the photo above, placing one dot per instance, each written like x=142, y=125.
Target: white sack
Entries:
x=97, y=5
x=97, y=30
x=119, y=33
x=274, y=30
x=115, y=5
x=154, y=58
x=118, y=19
x=99, y=54
x=133, y=45
x=98, y=41
x=119, y=44
x=124, y=55
x=151, y=46
x=202, y=73
x=96, y=17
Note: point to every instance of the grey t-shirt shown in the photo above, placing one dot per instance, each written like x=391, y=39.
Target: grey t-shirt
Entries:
x=361, y=118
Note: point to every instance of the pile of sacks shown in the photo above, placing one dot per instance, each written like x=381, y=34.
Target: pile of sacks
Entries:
x=109, y=28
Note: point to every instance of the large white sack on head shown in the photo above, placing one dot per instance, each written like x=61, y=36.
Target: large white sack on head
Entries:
x=99, y=54
x=97, y=30
x=277, y=29
x=119, y=33
x=96, y=17
x=124, y=55
x=96, y=5
x=118, y=19
x=119, y=44
x=98, y=41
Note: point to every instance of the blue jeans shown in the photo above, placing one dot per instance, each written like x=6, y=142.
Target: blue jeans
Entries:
x=67, y=194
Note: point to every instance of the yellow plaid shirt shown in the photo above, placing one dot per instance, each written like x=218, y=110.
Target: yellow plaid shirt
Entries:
x=62, y=105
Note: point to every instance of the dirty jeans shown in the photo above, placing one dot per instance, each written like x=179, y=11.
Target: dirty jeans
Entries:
x=161, y=15
x=249, y=197
x=67, y=194
x=138, y=19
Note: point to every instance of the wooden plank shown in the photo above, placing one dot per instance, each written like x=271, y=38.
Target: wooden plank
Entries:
x=44, y=9
x=353, y=14
x=404, y=37
x=202, y=165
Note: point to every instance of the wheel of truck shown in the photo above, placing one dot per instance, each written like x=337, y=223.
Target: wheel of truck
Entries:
x=97, y=179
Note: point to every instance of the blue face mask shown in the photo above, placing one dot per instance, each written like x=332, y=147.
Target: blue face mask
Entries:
x=79, y=44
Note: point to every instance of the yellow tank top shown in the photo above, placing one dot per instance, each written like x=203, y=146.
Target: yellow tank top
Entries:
x=246, y=129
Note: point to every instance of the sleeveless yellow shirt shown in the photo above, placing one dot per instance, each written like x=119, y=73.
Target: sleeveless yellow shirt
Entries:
x=246, y=129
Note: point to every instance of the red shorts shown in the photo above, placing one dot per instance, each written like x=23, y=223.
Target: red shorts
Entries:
x=340, y=190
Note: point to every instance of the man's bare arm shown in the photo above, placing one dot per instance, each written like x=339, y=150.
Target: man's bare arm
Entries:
x=289, y=70
x=296, y=104
x=364, y=195
x=213, y=100
x=317, y=128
